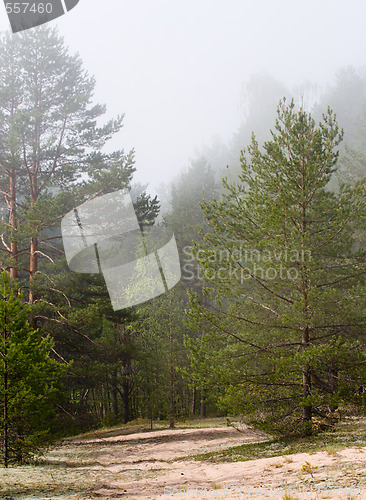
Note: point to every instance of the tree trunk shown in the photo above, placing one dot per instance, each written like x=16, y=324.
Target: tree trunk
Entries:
x=171, y=371
x=306, y=379
x=115, y=394
x=33, y=180
x=193, y=408
x=203, y=405
x=19, y=448
x=33, y=256
x=333, y=385
x=306, y=372
x=126, y=391
x=13, y=221
x=6, y=402
x=151, y=410
x=13, y=225
x=333, y=379
x=171, y=389
x=33, y=266
x=5, y=436
x=125, y=403
x=306, y=391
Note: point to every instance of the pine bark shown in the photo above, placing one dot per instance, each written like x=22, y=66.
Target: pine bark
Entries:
x=6, y=403
x=13, y=221
x=171, y=371
x=307, y=410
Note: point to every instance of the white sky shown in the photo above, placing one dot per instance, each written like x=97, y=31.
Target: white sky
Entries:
x=175, y=68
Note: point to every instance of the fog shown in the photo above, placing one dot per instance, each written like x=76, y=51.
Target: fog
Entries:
x=176, y=69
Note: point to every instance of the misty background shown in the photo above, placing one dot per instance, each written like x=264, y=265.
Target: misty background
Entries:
x=179, y=70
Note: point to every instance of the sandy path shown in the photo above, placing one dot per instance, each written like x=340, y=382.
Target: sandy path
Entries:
x=149, y=465
x=143, y=464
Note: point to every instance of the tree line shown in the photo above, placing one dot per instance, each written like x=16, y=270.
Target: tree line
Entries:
x=268, y=319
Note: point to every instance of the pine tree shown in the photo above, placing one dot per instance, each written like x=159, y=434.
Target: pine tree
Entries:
x=50, y=143
x=76, y=310
x=185, y=218
x=159, y=331
x=29, y=380
x=285, y=286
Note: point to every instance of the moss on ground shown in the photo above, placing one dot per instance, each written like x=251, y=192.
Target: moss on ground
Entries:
x=348, y=433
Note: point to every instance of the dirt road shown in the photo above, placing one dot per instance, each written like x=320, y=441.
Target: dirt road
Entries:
x=150, y=465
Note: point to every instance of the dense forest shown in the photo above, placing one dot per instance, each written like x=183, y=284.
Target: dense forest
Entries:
x=268, y=321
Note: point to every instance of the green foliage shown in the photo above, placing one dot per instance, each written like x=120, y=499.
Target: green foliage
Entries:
x=52, y=160
x=29, y=379
x=283, y=307
x=159, y=331
x=51, y=157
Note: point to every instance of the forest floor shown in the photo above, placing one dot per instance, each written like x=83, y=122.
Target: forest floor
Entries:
x=199, y=459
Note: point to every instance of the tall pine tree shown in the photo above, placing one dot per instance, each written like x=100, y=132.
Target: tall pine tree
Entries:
x=285, y=285
x=50, y=142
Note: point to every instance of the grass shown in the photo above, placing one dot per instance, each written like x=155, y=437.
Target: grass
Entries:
x=349, y=433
